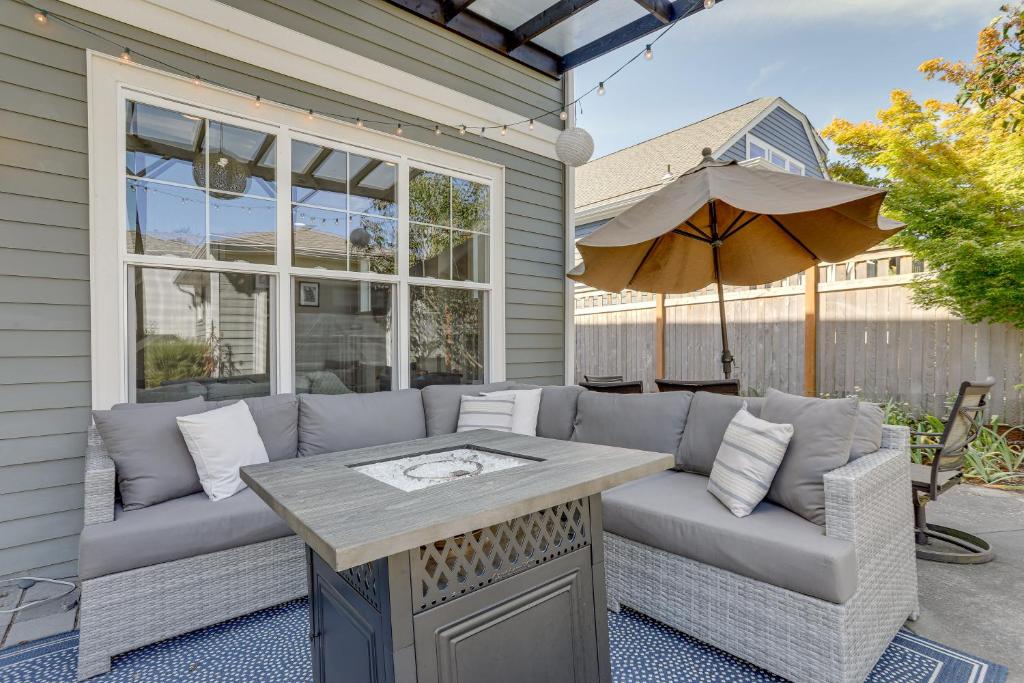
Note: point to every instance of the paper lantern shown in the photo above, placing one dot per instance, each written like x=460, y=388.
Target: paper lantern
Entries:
x=574, y=146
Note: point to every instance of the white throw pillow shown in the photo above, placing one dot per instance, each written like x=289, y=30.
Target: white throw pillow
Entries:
x=747, y=461
x=220, y=442
x=524, y=416
x=486, y=412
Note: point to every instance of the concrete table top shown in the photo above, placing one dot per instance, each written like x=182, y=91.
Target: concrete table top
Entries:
x=348, y=518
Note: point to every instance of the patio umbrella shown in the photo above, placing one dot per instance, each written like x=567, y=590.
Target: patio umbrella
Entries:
x=730, y=224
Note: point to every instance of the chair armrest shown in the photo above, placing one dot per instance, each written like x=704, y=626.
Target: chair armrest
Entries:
x=100, y=480
x=868, y=501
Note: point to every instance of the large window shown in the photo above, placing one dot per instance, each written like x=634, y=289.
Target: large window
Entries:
x=364, y=268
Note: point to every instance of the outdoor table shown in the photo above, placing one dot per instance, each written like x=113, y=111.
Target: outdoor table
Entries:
x=480, y=560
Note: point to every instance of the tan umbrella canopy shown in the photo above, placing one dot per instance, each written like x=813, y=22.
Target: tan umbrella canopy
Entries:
x=732, y=225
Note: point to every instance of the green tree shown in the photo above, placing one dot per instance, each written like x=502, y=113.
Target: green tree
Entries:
x=955, y=176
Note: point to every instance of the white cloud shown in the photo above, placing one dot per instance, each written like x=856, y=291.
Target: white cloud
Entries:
x=909, y=12
x=765, y=73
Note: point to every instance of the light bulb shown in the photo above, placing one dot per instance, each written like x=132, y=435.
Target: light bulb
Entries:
x=563, y=115
x=600, y=88
x=41, y=16
x=195, y=80
x=359, y=123
x=504, y=130
x=126, y=55
x=531, y=124
x=259, y=101
x=708, y=4
x=310, y=115
x=398, y=130
x=437, y=130
x=649, y=52
x=462, y=129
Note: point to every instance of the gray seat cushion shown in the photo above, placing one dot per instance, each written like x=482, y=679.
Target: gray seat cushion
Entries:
x=328, y=424
x=649, y=422
x=276, y=418
x=441, y=403
x=558, y=411
x=152, y=461
x=673, y=511
x=709, y=416
x=176, y=529
x=822, y=435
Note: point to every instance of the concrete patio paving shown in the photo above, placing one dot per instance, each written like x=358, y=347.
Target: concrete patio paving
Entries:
x=978, y=609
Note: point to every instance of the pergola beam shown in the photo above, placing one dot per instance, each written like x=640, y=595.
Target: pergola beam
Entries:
x=452, y=8
x=549, y=18
x=661, y=9
x=626, y=34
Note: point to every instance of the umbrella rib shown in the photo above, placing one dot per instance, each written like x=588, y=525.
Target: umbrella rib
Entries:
x=704, y=240
x=793, y=237
x=698, y=230
x=730, y=232
x=647, y=253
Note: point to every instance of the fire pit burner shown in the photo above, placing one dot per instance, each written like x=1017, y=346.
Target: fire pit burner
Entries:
x=416, y=472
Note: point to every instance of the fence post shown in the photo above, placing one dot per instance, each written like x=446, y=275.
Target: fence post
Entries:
x=811, y=331
x=659, y=336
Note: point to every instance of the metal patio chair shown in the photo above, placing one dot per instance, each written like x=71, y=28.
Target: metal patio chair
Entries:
x=729, y=387
x=946, y=471
x=611, y=384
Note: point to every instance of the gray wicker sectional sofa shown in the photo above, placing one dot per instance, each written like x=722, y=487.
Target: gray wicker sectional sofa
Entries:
x=807, y=600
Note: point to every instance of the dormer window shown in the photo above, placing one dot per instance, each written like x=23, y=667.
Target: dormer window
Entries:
x=759, y=149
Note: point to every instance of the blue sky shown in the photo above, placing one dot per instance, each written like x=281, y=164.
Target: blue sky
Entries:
x=829, y=58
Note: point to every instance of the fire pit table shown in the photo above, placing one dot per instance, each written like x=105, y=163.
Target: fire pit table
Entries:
x=464, y=557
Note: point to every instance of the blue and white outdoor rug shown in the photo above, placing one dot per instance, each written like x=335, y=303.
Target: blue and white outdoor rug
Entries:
x=273, y=646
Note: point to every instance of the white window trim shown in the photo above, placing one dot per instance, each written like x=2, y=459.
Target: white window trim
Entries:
x=111, y=81
x=790, y=159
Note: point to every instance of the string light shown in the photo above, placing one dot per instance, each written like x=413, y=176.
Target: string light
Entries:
x=708, y=4
x=310, y=115
x=43, y=16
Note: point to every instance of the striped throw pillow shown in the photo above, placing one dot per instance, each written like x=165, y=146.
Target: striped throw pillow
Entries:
x=486, y=412
x=747, y=461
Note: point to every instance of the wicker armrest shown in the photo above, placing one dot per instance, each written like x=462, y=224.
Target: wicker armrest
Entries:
x=868, y=501
x=100, y=480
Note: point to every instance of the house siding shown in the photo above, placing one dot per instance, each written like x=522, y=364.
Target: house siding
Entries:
x=44, y=239
x=785, y=131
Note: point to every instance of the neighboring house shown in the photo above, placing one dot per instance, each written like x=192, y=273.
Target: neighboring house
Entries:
x=202, y=194
x=768, y=130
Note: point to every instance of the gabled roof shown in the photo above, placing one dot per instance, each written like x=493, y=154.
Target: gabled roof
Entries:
x=640, y=168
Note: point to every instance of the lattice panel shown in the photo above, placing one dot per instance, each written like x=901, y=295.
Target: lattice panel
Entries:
x=363, y=578
x=461, y=564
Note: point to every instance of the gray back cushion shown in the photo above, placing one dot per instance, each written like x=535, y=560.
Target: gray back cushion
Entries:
x=152, y=461
x=649, y=422
x=822, y=434
x=276, y=418
x=328, y=424
x=867, y=435
x=710, y=415
x=441, y=403
x=558, y=411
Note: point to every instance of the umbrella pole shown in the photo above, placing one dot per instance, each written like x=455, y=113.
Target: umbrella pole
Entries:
x=716, y=243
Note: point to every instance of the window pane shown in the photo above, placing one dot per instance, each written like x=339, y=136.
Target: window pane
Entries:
x=446, y=336
x=796, y=168
x=373, y=186
x=199, y=333
x=319, y=175
x=470, y=205
x=429, y=251
x=243, y=229
x=319, y=238
x=343, y=336
x=429, y=197
x=241, y=161
x=165, y=220
x=757, y=151
x=469, y=256
x=163, y=144
x=372, y=243
x=778, y=160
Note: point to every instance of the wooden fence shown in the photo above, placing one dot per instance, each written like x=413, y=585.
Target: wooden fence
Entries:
x=871, y=339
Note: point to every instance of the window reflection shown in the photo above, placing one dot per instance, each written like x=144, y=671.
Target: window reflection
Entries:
x=449, y=220
x=200, y=333
x=446, y=336
x=343, y=336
